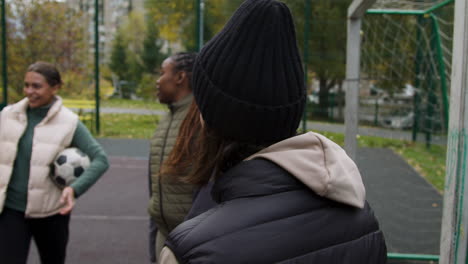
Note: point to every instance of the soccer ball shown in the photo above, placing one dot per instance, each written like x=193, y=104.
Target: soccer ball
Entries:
x=69, y=164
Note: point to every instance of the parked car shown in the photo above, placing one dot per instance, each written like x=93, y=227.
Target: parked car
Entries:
x=399, y=121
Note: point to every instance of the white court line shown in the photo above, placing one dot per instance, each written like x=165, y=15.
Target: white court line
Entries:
x=108, y=217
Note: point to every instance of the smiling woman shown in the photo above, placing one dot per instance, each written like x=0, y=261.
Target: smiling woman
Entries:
x=41, y=84
x=32, y=132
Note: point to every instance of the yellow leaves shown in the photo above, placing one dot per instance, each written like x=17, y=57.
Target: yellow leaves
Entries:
x=171, y=30
x=134, y=30
x=171, y=16
x=47, y=31
x=176, y=19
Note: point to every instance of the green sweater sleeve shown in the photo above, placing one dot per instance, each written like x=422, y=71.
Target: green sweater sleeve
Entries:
x=83, y=140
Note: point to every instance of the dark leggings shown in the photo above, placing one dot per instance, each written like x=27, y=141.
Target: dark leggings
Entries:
x=49, y=233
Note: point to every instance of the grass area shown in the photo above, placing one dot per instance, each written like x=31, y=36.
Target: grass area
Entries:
x=128, y=126
x=430, y=163
x=125, y=103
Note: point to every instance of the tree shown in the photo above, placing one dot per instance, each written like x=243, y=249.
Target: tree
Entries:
x=151, y=55
x=177, y=19
x=133, y=32
x=217, y=13
x=327, y=42
x=118, y=59
x=136, y=54
x=327, y=33
x=173, y=18
x=47, y=31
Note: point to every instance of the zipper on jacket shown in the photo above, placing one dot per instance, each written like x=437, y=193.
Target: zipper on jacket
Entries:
x=160, y=166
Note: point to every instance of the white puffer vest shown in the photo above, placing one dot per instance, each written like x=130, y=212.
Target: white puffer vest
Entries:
x=53, y=134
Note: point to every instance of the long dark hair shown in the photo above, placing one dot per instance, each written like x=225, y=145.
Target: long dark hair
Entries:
x=201, y=153
x=216, y=154
x=180, y=159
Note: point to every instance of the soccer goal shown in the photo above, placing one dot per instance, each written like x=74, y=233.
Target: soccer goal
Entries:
x=400, y=60
x=417, y=49
x=406, y=64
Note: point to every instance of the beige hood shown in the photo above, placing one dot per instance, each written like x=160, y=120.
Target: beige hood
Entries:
x=320, y=164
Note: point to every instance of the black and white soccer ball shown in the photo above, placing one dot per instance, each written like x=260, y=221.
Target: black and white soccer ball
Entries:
x=69, y=164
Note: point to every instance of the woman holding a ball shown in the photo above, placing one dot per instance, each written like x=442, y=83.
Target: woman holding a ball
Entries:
x=32, y=132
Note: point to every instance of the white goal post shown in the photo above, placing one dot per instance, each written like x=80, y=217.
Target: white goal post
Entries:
x=356, y=11
x=453, y=244
x=454, y=230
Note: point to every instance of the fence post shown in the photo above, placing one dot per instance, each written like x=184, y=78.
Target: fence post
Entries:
x=416, y=116
x=417, y=80
x=376, y=112
x=96, y=62
x=441, y=69
x=4, y=56
x=200, y=6
x=306, y=56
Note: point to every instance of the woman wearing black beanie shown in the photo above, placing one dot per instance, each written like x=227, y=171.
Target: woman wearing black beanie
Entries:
x=281, y=197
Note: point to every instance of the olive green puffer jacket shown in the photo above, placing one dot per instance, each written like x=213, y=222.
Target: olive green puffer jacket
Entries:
x=171, y=200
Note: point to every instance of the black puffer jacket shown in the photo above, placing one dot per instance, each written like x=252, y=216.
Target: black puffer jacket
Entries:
x=268, y=215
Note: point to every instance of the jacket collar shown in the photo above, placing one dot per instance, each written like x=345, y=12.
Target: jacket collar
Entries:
x=311, y=159
x=319, y=163
x=21, y=107
x=257, y=177
x=186, y=101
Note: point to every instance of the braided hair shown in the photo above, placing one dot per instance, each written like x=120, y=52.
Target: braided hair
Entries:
x=183, y=61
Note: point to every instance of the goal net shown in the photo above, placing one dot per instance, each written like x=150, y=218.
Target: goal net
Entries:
x=406, y=65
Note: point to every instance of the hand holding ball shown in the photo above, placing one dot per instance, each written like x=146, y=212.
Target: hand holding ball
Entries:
x=69, y=165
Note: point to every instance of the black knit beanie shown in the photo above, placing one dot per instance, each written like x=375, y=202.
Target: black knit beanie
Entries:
x=248, y=80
